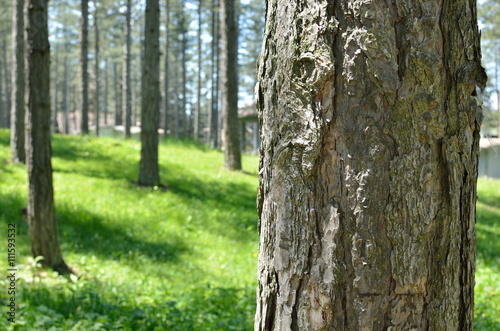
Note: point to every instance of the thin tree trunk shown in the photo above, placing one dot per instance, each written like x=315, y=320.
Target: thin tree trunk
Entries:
x=166, y=98
x=106, y=92
x=42, y=226
x=217, y=87
x=198, y=87
x=55, y=126
x=96, y=95
x=117, y=113
x=3, y=113
x=6, y=86
x=184, y=120
x=148, y=168
x=368, y=168
x=126, y=91
x=177, y=109
x=213, y=114
x=229, y=73
x=66, y=96
x=84, y=75
x=17, y=140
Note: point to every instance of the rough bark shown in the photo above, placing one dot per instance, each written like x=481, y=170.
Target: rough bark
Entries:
x=42, y=226
x=369, y=153
x=96, y=69
x=229, y=75
x=126, y=91
x=17, y=110
x=166, y=97
x=84, y=75
x=66, y=96
x=54, y=124
x=148, y=168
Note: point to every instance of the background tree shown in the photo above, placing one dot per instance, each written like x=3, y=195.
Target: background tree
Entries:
x=96, y=69
x=126, y=93
x=84, y=75
x=148, y=169
x=17, y=111
x=368, y=168
x=54, y=126
x=42, y=226
x=229, y=75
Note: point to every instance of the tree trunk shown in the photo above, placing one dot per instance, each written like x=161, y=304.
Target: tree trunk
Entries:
x=117, y=113
x=126, y=91
x=184, y=123
x=6, y=86
x=198, y=82
x=96, y=95
x=66, y=96
x=55, y=126
x=106, y=92
x=148, y=169
x=213, y=114
x=17, y=110
x=166, y=98
x=42, y=226
x=3, y=113
x=84, y=75
x=177, y=109
x=368, y=168
x=229, y=74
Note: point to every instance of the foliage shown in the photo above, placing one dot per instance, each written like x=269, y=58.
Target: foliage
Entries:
x=146, y=259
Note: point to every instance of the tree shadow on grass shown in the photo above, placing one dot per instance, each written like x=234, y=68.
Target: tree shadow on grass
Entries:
x=90, y=302
x=81, y=231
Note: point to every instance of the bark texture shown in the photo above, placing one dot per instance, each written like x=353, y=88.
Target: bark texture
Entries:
x=126, y=90
x=42, y=226
x=148, y=168
x=66, y=96
x=17, y=111
x=369, y=153
x=197, y=110
x=229, y=77
x=84, y=75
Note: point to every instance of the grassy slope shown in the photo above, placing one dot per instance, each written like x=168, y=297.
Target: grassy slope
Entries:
x=178, y=260
x=184, y=259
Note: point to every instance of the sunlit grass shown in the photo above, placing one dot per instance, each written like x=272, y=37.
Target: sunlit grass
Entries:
x=180, y=259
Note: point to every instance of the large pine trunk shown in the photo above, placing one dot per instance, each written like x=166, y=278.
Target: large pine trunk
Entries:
x=84, y=75
x=126, y=88
x=17, y=111
x=42, y=226
x=148, y=168
x=368, y=169
x=229, y=75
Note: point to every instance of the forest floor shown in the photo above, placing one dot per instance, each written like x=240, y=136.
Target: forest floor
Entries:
x=184, y=258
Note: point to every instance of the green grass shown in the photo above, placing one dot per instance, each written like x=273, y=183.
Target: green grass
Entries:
x=181, y=259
